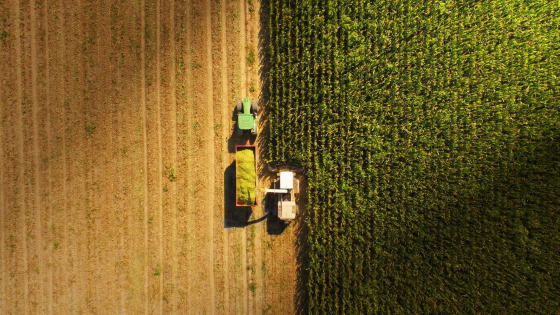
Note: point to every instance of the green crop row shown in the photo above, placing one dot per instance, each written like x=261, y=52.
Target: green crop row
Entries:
x=430, y=134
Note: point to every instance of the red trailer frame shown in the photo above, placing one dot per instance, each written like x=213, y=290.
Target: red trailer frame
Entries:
x=254, y=148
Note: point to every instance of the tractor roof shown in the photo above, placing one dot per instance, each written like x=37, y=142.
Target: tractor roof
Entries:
x=245, y=121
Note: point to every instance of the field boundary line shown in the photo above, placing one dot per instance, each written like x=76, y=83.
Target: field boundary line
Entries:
x=17, y=22
x=145, y=147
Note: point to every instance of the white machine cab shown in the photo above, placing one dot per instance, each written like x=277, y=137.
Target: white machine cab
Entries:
x=286, y=180
x=284, y=189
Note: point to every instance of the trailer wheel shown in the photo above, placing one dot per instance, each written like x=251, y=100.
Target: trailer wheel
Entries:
x=239, y=107
x=254, y=106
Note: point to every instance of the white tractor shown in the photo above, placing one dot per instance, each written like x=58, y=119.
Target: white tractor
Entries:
x=285, y=188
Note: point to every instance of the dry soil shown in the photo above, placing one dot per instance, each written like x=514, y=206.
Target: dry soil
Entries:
x=116, y=162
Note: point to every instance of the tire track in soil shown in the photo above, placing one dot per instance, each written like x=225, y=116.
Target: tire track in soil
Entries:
x=145, y=149
x=123, y=196
x=116, y=28
x=78, y=161
x=28, y=158
x=168, y=149
x=234, y=235
x=4, y=161
x=108, y=202
x=19, y=69
x=217, y=220
x=153, y=135
x=131, y=155
x=10, y=109
x=203, y=170
x=210, y=143
x=57, y=168
x=226, y=157
x=65, y=218
x=39, y=90
x=160, y=153
x=49, y=155
x=7, y=165
x=190, y=109
x=44, y=106
x=190, y=143
x=243, y=91
x=132, y=116
x=255, y=255
x=172, y=288
x=93, y=153
x=10, y=116
x=184, y=163
x=3, y=205
x=55, y=213
x=218, y=114
x=104, y=215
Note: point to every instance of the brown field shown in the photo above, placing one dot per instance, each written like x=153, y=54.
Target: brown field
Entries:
x=116, y=162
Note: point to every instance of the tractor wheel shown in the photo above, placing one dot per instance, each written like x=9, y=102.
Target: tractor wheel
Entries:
x=239, y=107
x=254, y=107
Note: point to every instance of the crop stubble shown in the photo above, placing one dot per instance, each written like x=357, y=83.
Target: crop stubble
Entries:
x=115, y=118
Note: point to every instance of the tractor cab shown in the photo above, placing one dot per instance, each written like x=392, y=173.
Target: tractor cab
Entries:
x=246, y=117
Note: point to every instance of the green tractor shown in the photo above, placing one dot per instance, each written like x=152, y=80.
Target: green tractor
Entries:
x=246, y=117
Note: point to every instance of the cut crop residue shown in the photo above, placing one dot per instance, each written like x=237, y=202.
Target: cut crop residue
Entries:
x=246, y=175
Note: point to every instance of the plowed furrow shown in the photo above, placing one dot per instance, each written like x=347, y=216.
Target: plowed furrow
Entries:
x=117, y=159
x=22, y=229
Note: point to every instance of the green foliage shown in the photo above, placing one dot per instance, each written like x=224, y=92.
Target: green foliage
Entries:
x=429, y=131
x=171, y=175
x=250, y=58
x=3, y=36
x=89, y=129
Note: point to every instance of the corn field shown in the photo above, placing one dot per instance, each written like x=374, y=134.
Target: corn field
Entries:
x=430, y=134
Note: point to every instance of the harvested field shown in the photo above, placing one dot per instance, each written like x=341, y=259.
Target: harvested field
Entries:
x=116, y=159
